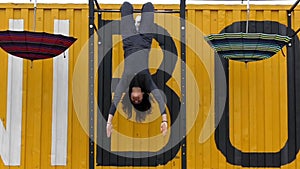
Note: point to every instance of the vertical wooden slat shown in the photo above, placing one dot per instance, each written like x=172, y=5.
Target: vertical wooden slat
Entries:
x=34, y=107
x=275, y=92
x=198, y=22
x=244, y=109
x=192, y=137
x=251, y=67
x=268, y=106
x=79, y=139
x=177, y=74
x=78, y=121
x=235, y=97
x=24, y=15
x=206, y=146
x=283, y=89
x=4, y=13
x=7, y=14
x=46, y=99
x=76, y=133
x=71, y=18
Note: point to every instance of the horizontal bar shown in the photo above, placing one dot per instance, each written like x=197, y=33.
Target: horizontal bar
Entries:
x=296, y=32
x=136, y=11
x=294, y=6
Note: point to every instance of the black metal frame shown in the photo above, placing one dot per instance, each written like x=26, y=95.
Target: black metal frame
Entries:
x=137, y=11
x=91, y=86
x=91, y=75
x=289, y=16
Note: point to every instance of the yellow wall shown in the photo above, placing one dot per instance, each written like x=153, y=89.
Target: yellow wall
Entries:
x=37, y=87
x=258, y=102
x=258, y=92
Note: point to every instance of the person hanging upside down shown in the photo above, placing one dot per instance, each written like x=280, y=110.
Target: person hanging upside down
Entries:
x=136, y=80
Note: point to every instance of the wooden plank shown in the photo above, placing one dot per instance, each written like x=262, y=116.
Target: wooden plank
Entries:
x=252, y=89
x=80, y=139
x=199, y=155
x=7, y=14
x=46, y=118
x=24, y=14
x=34, y=108
x=71, y=17
x=276, y=92
x=244, y=109
x=190, y=60
x=207, y=16
x=268, y=94
x=283, y=110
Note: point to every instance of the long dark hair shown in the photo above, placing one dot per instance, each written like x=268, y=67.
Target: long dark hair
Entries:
x=142, y=109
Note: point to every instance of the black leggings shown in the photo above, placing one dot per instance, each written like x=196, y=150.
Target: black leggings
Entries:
x=134, y=40
x=127, y=21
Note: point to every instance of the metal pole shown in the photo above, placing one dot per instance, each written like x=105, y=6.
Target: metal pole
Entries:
x=183, y=83
x=136, y=11
x=297, y=31
x=289, y=16
x=289, y=23
x=248, y=15
x=294, y=6
x=91, y=85
x=291, y=78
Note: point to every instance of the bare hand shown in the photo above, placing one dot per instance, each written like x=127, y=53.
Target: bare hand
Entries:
x=108, y=129
x=164, y=128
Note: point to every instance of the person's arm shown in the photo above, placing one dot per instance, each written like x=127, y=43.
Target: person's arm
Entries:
x=109, y=125
x=164, y=124
x=151, y=86
x=121, y=87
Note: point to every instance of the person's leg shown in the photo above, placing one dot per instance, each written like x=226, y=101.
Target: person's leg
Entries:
x=147, y=20
x=147, y=24
x=127, y=21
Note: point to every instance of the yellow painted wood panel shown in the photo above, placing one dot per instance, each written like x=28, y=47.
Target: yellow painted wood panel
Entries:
x=249, y=104
x=37, y=93
x=258, y=91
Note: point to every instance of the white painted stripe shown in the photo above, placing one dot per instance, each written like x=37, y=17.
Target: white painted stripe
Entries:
x=60, y=100
x=10, y=136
